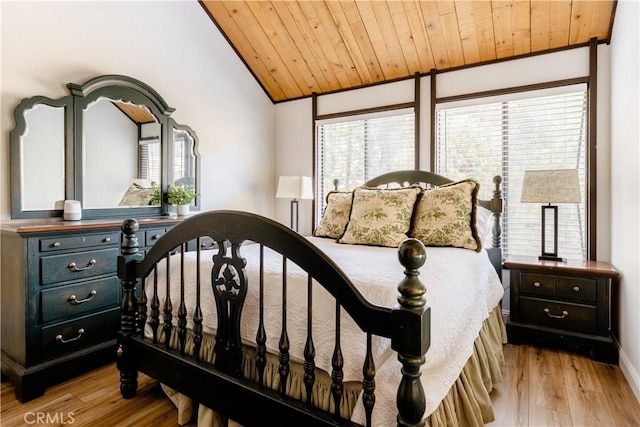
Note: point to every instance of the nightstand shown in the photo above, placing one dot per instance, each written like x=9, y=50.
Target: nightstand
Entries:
x=572, y=304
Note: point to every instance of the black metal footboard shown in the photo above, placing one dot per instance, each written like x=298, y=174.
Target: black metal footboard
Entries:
x=220, y=384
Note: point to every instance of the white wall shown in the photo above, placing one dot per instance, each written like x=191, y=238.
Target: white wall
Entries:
x=625, y=181
x=293, y=155
x=172, y=46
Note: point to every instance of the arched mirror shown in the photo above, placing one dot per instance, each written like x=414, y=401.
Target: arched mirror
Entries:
x=120, y=165
x=185, y=159
x=40, y=162
x=122, y=153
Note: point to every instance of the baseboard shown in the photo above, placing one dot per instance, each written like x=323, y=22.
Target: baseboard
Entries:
x=629, y=372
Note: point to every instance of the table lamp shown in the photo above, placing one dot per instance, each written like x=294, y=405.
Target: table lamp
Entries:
x=550, y=186
x=294, y=187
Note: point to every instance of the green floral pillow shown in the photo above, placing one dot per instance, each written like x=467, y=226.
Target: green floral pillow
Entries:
x=380, y=217
x=446, y=216
x=336, y=215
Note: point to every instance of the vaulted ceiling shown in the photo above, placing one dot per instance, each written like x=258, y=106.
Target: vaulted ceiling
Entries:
x=295, y=48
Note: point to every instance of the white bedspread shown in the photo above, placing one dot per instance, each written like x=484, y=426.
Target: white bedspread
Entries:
x=462, y=288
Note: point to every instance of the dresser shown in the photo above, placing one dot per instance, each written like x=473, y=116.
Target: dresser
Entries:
x=61, y=297
x=571, y=304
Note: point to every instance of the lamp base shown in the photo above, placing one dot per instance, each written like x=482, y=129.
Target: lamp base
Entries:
x=551, y=258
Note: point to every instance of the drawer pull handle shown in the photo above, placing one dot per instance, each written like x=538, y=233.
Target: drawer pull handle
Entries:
x=155, y=237
x=73, y=267
x=576, y=288
x=536, y=284
x=107, y=239
x=556, y=316
x=59, y=337
x=74, y=300
x=56, y=244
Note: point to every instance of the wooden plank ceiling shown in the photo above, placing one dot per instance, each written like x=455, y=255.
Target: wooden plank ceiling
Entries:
x=295, y=48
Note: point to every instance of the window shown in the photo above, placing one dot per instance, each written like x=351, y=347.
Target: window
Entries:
x=354, y=149
x=149, y=159
x=544, y=129
x=183, y=158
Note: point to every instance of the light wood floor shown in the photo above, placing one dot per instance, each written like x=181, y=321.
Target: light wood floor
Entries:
x=539, y=388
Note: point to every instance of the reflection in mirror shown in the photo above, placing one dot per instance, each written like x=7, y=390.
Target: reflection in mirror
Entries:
x=121, y=155
x=42, y=154
x=184, y=159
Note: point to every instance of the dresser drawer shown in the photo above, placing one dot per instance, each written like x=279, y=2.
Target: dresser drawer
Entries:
x=575, y=288
x=537, y=284
x=206, y=243
x=152, y=236
x=558, y=315
x=67, y=337
x=75, y=300
x=59, y=268
x=79, y=241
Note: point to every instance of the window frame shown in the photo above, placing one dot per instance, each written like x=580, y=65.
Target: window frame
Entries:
x=590, y=152
x=356, y=114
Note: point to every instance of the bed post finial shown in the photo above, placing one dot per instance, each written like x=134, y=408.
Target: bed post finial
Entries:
x=412, y=256
x=411, y=333
x=128, y=309
x=496, y=209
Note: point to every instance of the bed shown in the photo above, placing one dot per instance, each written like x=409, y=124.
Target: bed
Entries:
x=353, y=330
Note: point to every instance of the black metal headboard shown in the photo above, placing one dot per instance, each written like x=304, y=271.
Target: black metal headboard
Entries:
x=494, y=205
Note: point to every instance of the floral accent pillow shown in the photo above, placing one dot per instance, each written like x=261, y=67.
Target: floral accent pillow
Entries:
x=446, y=216
x=380, y=217
x=336, y=215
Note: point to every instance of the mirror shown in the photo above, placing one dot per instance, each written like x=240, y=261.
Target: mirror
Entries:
x=38, y=146
x=185, y=159
x=121, y=163
x=116, y=149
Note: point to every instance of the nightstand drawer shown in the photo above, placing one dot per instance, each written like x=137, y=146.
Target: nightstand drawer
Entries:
x=79, y=241
x=558, y=315
x=537, y=284
x=576, y=288
x=74, y=300
x=79, y=265
x=67, y=337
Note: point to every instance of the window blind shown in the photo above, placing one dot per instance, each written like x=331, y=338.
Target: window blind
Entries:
x=355, y=149
x=149, y=159
x=508, y=137
x=179, y=156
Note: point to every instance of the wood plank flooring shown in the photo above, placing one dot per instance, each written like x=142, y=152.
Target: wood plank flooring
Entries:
x=540, y=388
x=543, y=387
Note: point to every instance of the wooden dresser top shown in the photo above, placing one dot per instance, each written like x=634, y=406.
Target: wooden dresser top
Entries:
x=595, y=268
x=57, y=225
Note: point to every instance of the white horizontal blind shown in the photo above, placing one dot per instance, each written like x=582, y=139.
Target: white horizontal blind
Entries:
x=179, y=158
x=149, y=160
x=508, y=137
x=358, y=148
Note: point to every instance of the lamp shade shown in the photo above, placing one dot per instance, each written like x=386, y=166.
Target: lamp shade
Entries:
x=294, y=187
x=551, y=186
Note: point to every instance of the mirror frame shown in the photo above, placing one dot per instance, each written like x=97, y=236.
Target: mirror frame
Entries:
x=117, y=87
x=15, y=153
x=196, y=178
